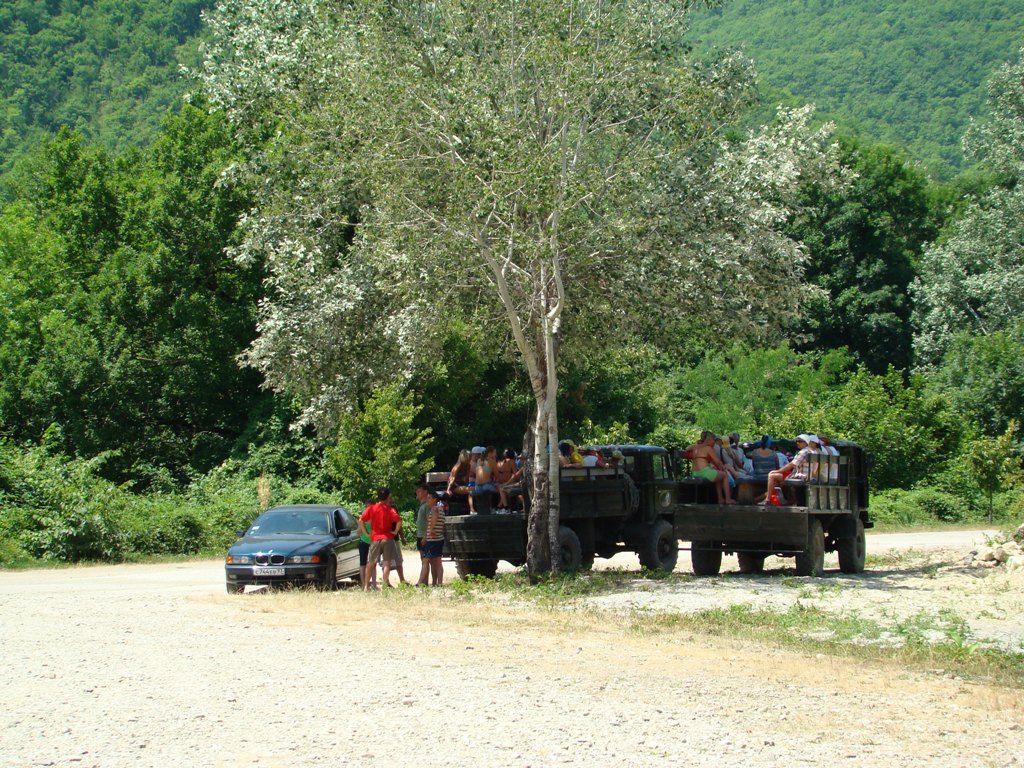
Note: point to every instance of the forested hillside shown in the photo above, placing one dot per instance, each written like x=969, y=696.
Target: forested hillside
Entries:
x=909, y=73
x=107, y=68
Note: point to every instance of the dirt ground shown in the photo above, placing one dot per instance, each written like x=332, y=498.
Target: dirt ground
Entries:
x=153, y=665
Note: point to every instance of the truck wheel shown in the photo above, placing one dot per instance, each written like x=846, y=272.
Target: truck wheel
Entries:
x=852, y=551
x=706, y=562
x=750, y=562
x=569, y=551
x=485, y=568
x=811, y=562
x=660, y=550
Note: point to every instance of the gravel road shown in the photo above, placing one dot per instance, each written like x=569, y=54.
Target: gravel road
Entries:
x=153, y=666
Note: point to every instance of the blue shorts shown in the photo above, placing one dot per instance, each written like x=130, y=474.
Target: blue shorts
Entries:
x=431, y=549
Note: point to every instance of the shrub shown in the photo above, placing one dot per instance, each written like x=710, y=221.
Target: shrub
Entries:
x=380, y=446
x=163, y=525
x=917, y=507
x=11, y=554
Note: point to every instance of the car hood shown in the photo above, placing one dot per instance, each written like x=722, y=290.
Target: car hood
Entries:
x=281, y=544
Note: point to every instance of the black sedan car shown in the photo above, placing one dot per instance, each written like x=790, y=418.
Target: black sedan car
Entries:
x=298, y=544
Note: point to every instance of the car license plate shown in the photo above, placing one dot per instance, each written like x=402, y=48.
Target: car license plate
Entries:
x=257, y=571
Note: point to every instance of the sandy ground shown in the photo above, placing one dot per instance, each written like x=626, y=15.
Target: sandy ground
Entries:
x=154, y=666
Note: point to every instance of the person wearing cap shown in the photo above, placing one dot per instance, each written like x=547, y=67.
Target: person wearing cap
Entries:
x=616, y=458
x=795, y=469
x=485, y=469
x=592, y=457
x=475, y=456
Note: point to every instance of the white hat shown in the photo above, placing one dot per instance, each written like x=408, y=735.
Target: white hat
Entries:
x=811, y=438
x=479, y=449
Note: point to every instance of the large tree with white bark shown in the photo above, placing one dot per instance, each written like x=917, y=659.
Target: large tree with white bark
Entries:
x=561, y=172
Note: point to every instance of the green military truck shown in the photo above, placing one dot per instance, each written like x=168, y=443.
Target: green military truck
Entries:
x=828, y=513
x=648, y=505
x=603, y=510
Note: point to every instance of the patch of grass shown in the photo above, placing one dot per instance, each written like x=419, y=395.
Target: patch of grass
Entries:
x=923, y=641
x=557, y=589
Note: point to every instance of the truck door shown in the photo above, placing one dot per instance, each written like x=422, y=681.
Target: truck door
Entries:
x=658, y=494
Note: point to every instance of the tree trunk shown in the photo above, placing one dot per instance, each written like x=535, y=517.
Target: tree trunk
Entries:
x=542, y=535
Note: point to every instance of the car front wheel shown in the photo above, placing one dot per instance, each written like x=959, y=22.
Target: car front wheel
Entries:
x=330, y=582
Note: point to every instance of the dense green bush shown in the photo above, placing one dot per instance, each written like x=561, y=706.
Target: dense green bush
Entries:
x=60, y=508
x=910, y=433
x=57, y=508
x=915, y=507
x=162, y=525
x=380, y=446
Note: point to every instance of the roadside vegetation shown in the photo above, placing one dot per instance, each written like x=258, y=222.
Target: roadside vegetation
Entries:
x=132, y=284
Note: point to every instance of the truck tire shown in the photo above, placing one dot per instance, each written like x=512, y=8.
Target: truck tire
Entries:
x=750, y=562
x=485, y=568
x=853, y=550
x=811, y=562
x=660, y=550
x=570, y=556
x=705, y=561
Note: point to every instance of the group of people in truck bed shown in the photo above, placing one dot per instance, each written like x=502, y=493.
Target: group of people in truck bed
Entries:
x=480, y=471
x=726, y=464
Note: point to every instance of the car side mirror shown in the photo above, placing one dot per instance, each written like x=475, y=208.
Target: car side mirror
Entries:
x=240, y=533
x=344, y=532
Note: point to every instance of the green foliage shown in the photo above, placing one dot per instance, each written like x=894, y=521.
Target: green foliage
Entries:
x=471, y=394
x=749, y=390
x=972, y=280
x=121, y=314
x=610, y=396
x=864, y=238
x=994, y=464
x=919, y=506
x=910, y=433
x=55, y=508
x=59, y=508
x=983, y=377
x=380, y=446
x=161, y=524
x=106, y=68
x=908, y=74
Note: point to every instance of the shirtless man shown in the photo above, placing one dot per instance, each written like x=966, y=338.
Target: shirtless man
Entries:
x=706, y=464
x=485, y=476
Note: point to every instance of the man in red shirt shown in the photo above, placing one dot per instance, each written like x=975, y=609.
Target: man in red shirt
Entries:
x=384, y=524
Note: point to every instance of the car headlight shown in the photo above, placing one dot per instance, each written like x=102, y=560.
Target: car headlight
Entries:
x=240, y=559
x=304, y=559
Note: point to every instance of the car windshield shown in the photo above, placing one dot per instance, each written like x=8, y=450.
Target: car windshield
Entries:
x=291, y=521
